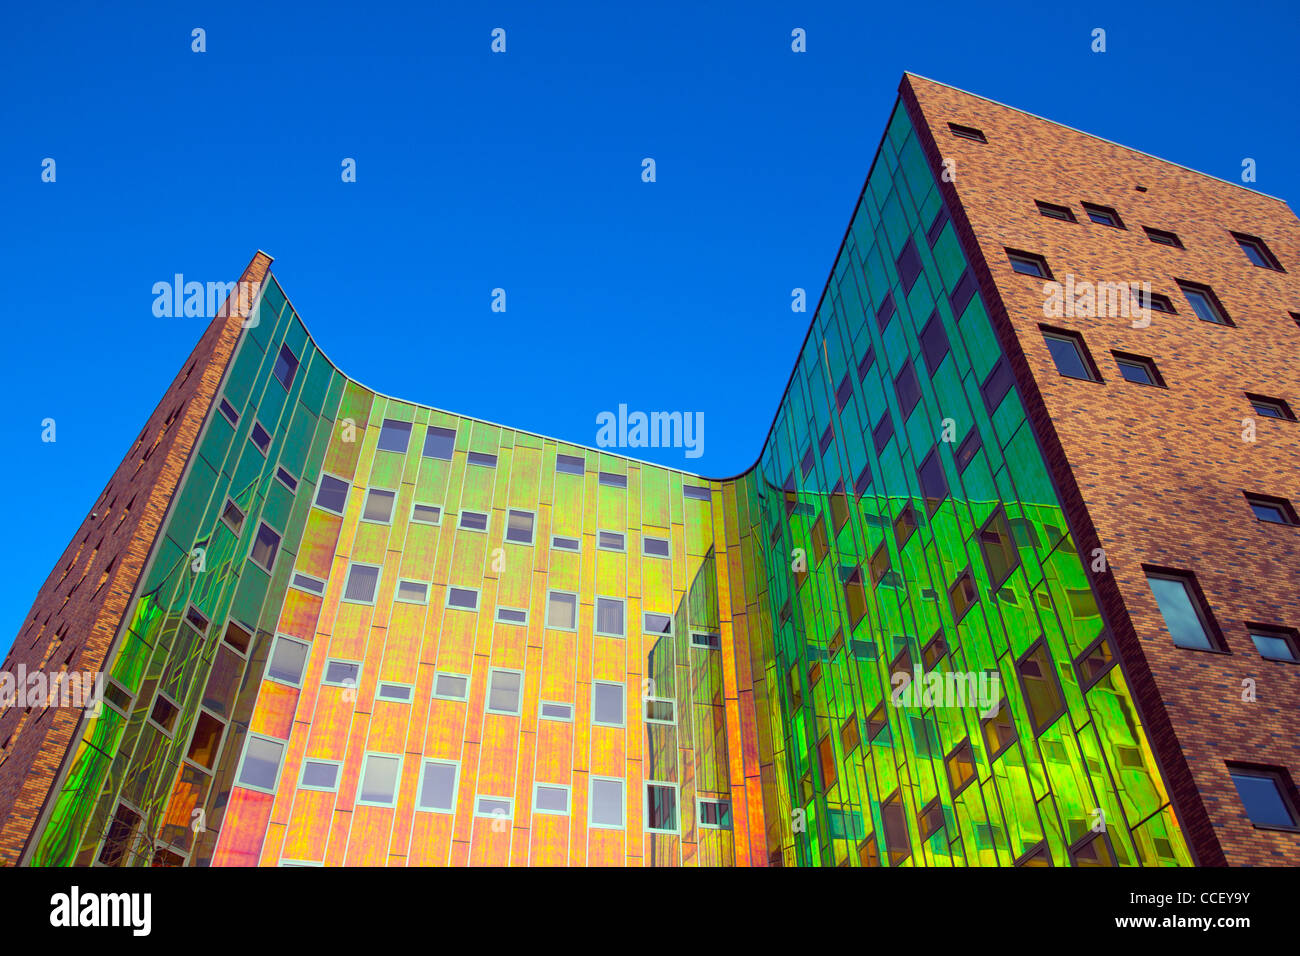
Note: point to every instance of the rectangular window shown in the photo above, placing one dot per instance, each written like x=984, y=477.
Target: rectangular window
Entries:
x=379, y=777
x=565, y=544
x=438, y=782
x=519, y=526
x=1138, y=369
x=997, y=385
x=286, y=366
x=1266, y=794
x=1042, y=691
x=332, y=494
x=1271, y=407
x=462, y=599
x=706, y=639
x=570, y=465
x=1257, y=252
x=450, y=686
x=606, y=803
x=1070, y=354
x=609, y=617
x=1000, y=554
x=855, y=597
x=828, y=436
x=883, y=431
x=260, y=767
x=340, y=673
x=660, y=710
x=1275, y=643
x=288, y=660
x=164, y=713
x=412, y=592
x=909, y=266
x=868, y=360
x=439, y=443
x=652, y=623
x=394, y=436
x=265, y=547
x=843, y=393
x=379, y=506
x=319, y=775
x=936, y=227
x=482, y=459
x=934, y=484
x=610, y=480
x=697, y=492
x=607, y=707
x=260, y=437
x=512, y=615
x=962, y=596
x=238, y=637
x=934, y=343
x=908, y=389
x=1163, y=237
x=1270, y=509
x=552, y=798
x=473, y=521
x=1053, y=211
x=967, y=132
x=966, y=451
x=610, y=541
x=809, y=459
x=715, y=814
x=1154, y=302
x=562, y=610
x=229, y=412
x=1028, y=263
x=426, y=514
x=1204, y=303
x=661, y=807
x=655, y=547
x=206, y=740
x=1103, y=215
x=497, y=807
x=885, y=312
x=1183, y=609
x=394, y=692
x=286, y=479
x=233, y=517
x=904, y=526
x=363, y=584
x=504, y=691
x=555, y=710
x=863, y=481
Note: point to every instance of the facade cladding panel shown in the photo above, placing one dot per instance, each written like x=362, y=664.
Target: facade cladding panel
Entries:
x=379, y=665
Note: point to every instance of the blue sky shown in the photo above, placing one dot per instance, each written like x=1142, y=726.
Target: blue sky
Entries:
x=520, y=171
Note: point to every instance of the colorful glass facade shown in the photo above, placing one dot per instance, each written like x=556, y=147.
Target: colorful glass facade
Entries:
x=372, y=632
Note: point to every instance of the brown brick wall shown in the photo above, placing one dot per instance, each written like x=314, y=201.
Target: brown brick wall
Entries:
x=74, y=619
x=1155, y=476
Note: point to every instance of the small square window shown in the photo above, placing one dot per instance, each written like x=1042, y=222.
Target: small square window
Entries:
x=1257, y=252
x=340, y=673
x=1138, y=369
x=565, y=544
x=607, y=707
x=260, y=767
x=1103, y=215
x=1053, y=211
x=229, y=412
x=1205, y=303
x=286, y=366
x=519, y=526
x=715, y=814
x=426, y=514
x=379, y=506
x=609, y=616
x=1270, y=509
x=473, y=521
x=439, y=443
x=655, y=547
x=438, y=783
x=412, y=592
x=562, y=610
x=288, y=660
x=661, y=807
x=1028, y=263
x=319, y=775
x=332, y=494
x=610, y=541
x=611, y=480
x=462, y=599
x=908, y=389
x=265, y=547
x=570, y=465
x=504, y=691
x=450, y=686
x=1265, y=793
x=286, y=479
x=363, y=583
x=909, y=266
x=1163, y=237
x=967, y=132
x=606, y=803
x=552, y=798
x=1092, y=850
x=240, y=638
x=394, y=436
x=1275, y=643
x=1271, y=407
x=652, y=623
x=164, y=713
x=233, y=517
x=482, y=459
x=260, y=437
x=379, y=777
x=1183, y=609
x=1070, y=354
x=934, y=484
x=660, y=710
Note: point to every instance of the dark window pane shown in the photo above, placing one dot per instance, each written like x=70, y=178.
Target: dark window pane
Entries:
x=332, y=493
x=909, y=266
x=439, y=443
x=394, y=436
x=1261, y=795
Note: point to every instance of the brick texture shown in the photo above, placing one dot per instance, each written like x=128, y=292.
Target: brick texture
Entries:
x=80, y=608
x=1155, y=476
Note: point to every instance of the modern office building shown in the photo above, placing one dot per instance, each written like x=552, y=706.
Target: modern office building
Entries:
x=341, y=628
